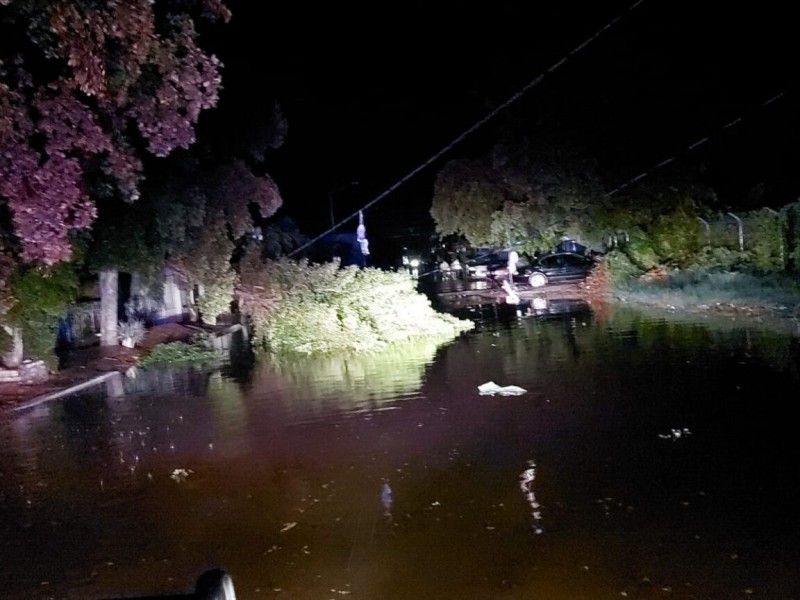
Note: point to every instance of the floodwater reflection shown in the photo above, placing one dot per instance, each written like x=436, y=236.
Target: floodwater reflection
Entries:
x=644, y=459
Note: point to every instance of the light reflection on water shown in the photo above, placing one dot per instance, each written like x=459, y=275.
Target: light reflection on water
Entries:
x=389, y=476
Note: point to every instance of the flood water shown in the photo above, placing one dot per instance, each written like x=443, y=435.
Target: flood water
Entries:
x=645, y=459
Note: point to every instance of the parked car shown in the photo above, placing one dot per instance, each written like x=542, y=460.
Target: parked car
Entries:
x=555, y=267
x=489, y=262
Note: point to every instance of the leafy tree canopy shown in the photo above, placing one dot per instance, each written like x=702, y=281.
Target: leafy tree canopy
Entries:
x=194, y=219
x=85, y=88
x=522, y=194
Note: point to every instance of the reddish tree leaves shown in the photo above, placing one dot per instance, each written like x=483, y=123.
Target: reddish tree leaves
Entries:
x=67, y=111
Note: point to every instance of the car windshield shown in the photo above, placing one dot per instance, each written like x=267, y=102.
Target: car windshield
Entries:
x=488, y=257
x=552, y=262
x=564, y=259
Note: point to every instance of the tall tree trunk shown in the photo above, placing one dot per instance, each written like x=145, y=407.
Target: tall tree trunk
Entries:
x=109, y=290
x=13, y=358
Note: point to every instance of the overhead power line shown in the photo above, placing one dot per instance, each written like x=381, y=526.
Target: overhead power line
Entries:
x=477, y=125
x=690, y=147
x=663, y=163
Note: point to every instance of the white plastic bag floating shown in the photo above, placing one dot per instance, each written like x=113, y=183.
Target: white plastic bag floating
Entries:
x=180, y=475
x=490, y=388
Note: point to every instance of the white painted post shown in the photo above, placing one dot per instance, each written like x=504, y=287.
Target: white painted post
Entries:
x=741, y=231
x=109, y=289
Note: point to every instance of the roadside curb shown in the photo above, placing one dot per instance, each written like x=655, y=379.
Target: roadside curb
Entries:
x=66, y=391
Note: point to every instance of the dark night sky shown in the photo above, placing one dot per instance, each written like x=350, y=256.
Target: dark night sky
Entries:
x=371, y=93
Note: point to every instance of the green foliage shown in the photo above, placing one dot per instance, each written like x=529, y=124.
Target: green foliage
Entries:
x=204, y=339
x=525, y=195
x=5, y=340
x=688, y=289
x=717, y=258
x=180, y=210
x=279, y=240
x=768, y=246
x=93, y=84
x=203, y=217
x=620, y=267
x=793, y=236
x=512, y=226
x=528, y=194
x=217, y=296
x=639, y=250
x=8, y=267
x=323, y=308
x=178, y=352
x=208, y=263
x=466, y=195
x=677, y=236
x=615, y=220
x=43, y=295
x=192, y=220
x=44, y=292
x=124, y=238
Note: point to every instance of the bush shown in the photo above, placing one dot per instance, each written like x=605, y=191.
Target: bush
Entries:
x=639, y=250
x=620, y=267
x=717, y=258
x=694, y=288
x=178, y=352
x=298, y=307
x=767, y=249
x=676, y=237
x=217, y=297
x=43, y=296
x=133, y=329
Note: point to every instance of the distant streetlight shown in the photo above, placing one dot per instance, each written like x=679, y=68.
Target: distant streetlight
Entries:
x=330, y=199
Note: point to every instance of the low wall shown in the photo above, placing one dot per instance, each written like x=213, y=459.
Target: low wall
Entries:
x=28, y=373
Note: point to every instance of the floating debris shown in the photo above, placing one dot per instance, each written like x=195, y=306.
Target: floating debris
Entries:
x=287, y=526
x=180, y=475
x=675, y=434
x=490, y=388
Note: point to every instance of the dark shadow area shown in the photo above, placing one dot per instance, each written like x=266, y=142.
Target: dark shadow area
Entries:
x=214, y=584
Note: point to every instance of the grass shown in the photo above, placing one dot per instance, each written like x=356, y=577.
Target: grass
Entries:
x=178, y=353
x=772, y=299
x=698, y=289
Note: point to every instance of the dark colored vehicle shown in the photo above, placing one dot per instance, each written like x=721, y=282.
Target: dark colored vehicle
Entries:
x=556, y=267
x=486, y=263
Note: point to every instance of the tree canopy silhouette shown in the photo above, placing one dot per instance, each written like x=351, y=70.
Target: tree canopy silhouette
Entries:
x=86, y=90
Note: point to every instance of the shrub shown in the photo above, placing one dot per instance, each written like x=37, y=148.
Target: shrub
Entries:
x=217, y=297
x=133, y=329
x=676, y=237
x=767, y=249
x=718, y=258
x=639, y=250
x=178, y=352
x=620, y=268
x=298, y=307
x=43, y=296
x=693, y=288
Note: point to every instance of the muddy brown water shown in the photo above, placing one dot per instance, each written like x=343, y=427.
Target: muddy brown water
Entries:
x=645, y=459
